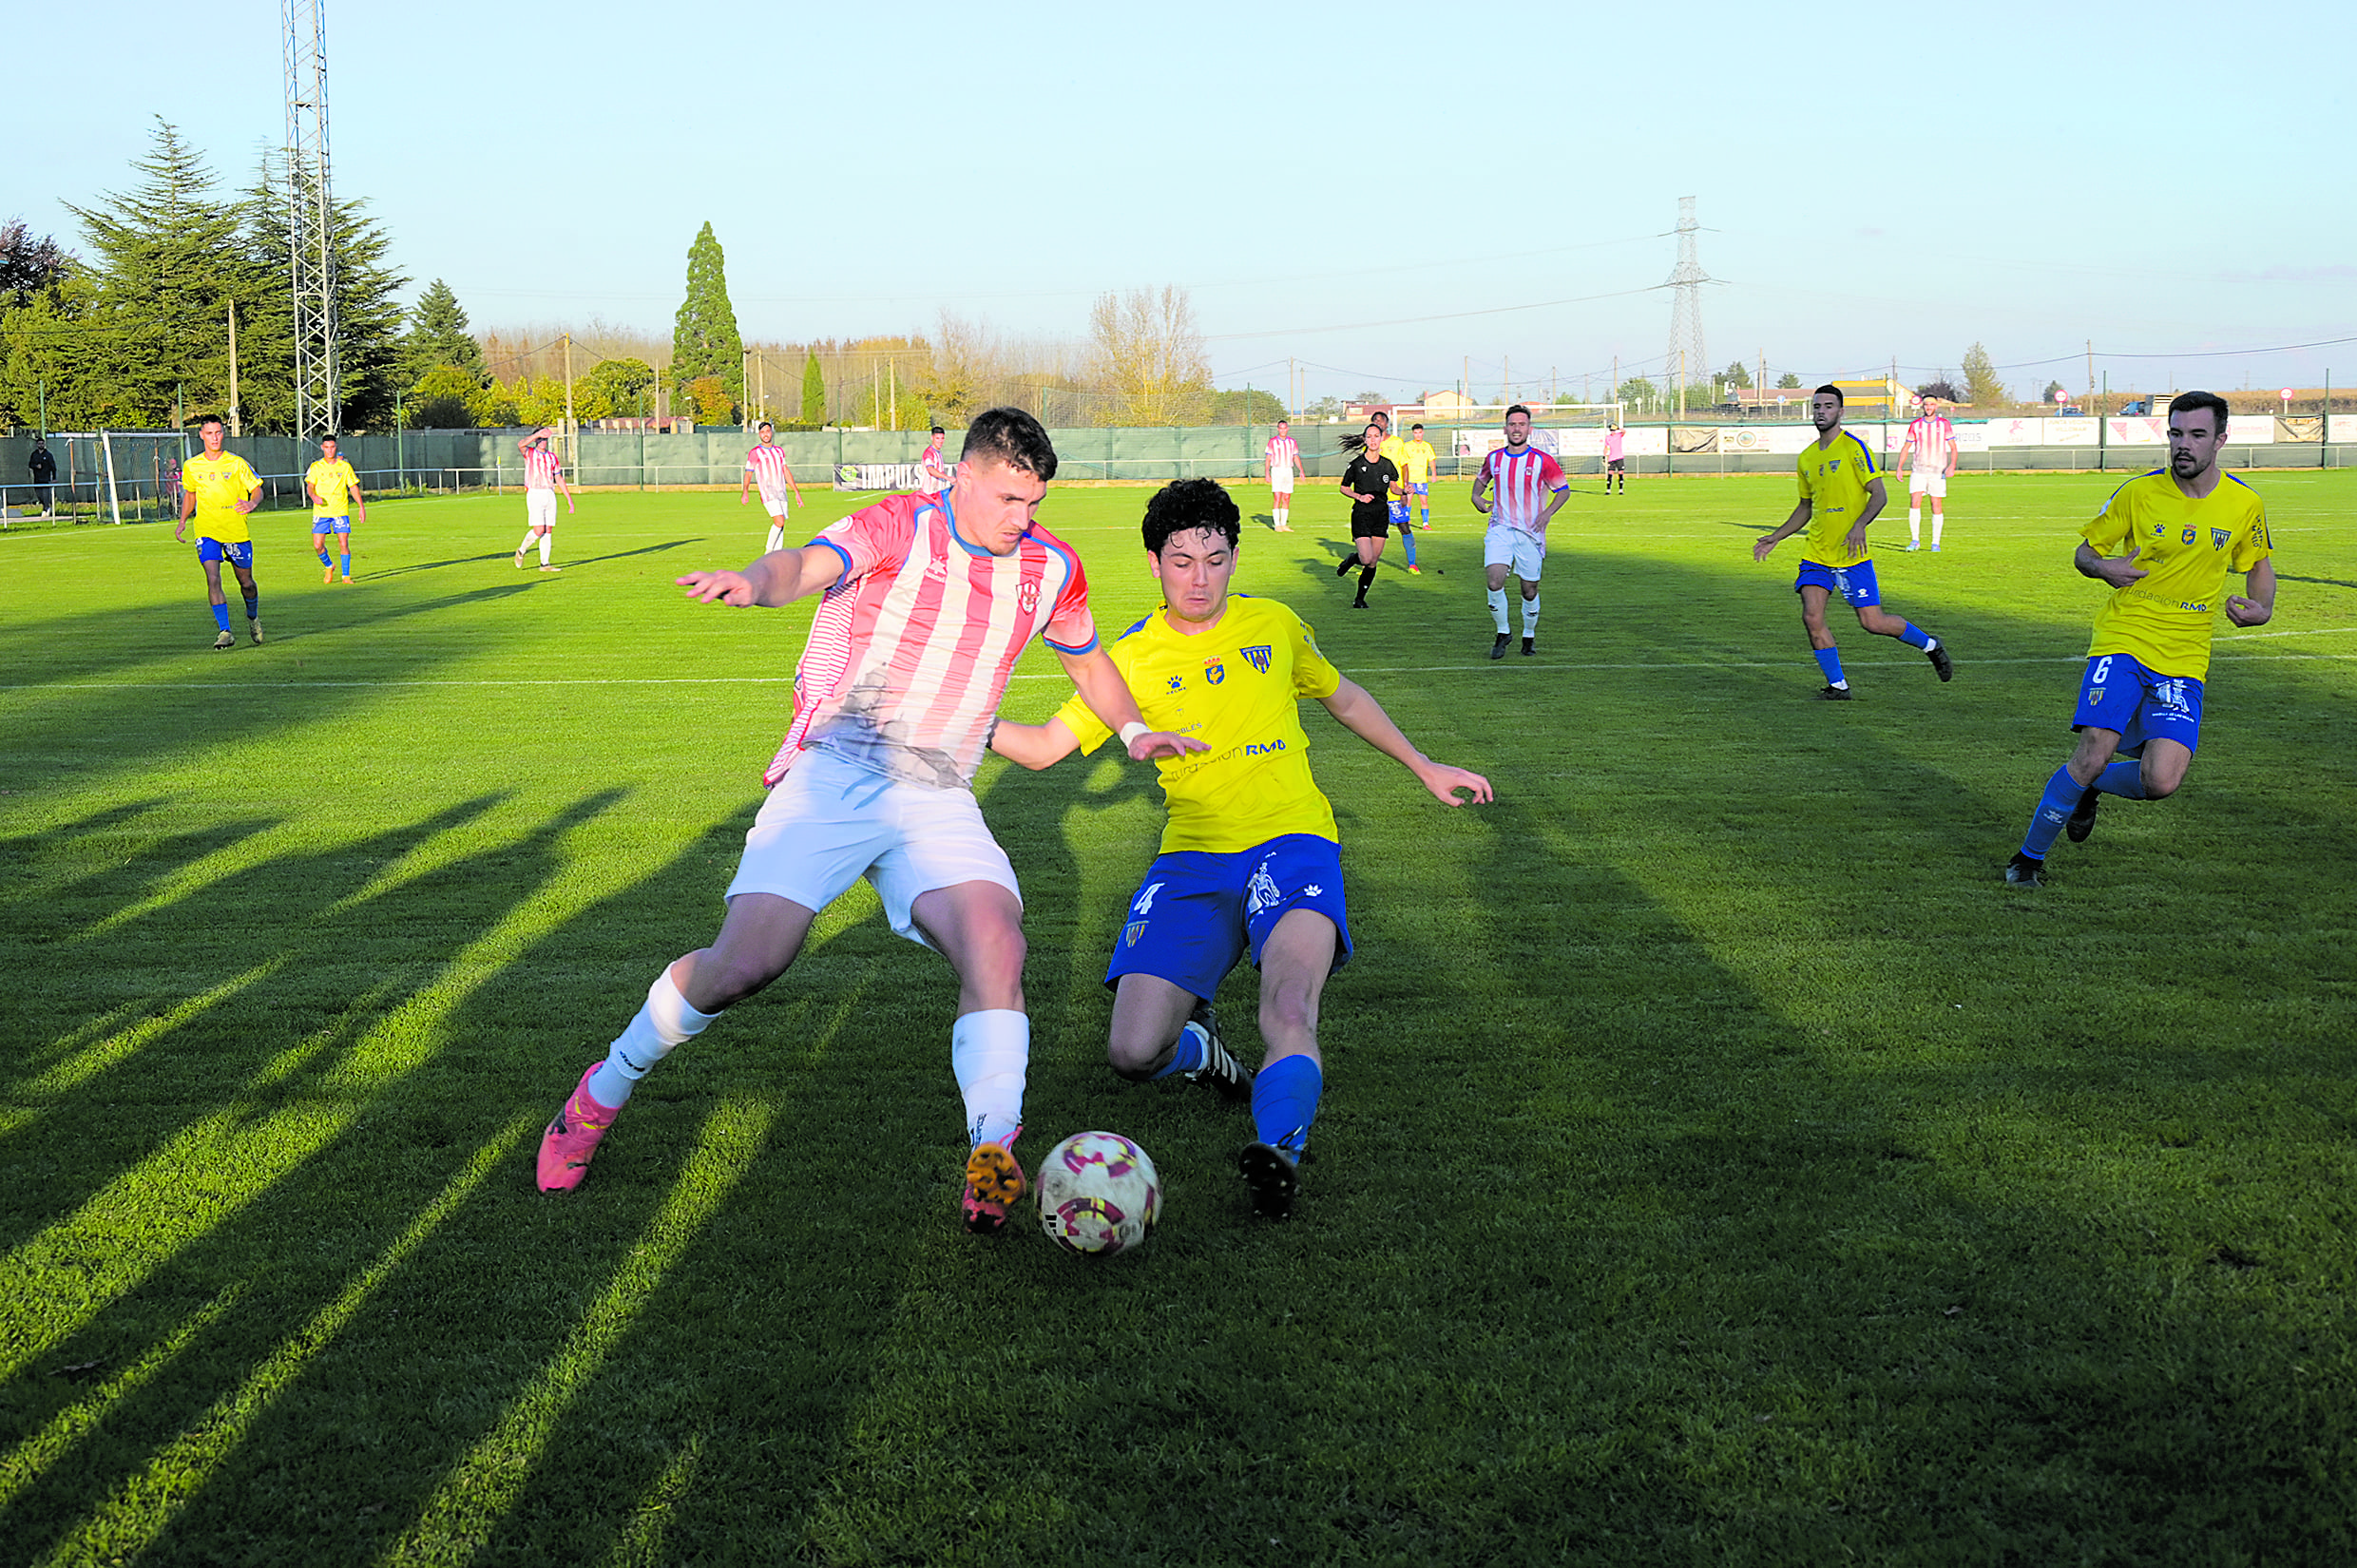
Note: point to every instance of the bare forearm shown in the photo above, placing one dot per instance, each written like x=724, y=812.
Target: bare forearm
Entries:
x=1357, y=711
x=1033, y=746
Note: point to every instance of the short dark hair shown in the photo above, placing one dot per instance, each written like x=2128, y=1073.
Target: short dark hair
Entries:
x=1416, y=427
x=2188, y=402
x=1829, y=387
x=210, y=419
x=938, y=430
x=1523, y=409
x=1010, y=437
x=765, y=424
x=1185, y=504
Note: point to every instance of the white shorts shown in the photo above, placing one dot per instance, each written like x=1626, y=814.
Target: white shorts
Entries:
x=1920, y=483
x=1281, y=482
x=1517, y=552
x=539, y=508
x=775, y=500
x=828, y=823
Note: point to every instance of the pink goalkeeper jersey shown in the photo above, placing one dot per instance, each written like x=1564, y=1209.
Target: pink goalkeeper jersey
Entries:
x=1934, y=438
x=1283, y=450
x=1523, y=483
x=540, y=469
x=768, y=467
x=911, y=647
x=1615, y=446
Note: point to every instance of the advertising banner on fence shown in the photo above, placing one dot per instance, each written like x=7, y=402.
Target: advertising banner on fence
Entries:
x=1782, y=440
x=879, y=477
x=2139, y=432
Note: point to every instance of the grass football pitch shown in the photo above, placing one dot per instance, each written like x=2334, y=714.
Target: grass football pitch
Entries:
x=1717, y=1162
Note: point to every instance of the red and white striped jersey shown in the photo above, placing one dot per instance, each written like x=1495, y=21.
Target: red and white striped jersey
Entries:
x=767, y=463
x=541, y=466
x=911, y=648
x=1522, y=484
x=1283, y=450
x=1934, y=439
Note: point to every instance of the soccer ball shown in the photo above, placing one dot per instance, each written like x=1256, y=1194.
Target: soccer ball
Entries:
x=1099, y=1194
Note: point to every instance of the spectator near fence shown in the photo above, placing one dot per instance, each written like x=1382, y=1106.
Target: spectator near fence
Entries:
x=44, y=469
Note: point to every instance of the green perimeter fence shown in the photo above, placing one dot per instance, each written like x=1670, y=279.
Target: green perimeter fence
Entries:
x=127, y=471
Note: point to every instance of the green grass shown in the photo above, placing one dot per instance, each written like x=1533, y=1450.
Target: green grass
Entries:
x=1717, y=1164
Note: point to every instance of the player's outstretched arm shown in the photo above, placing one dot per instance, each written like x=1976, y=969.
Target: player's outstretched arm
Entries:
x=1793, y=524
x=1034, y=746
x=1108, y=696
x=1360, y=714
x=779, y=578
x=2260, y=607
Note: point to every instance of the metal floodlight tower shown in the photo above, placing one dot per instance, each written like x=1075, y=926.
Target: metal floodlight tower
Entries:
x=309, y=215
x=1687, y=358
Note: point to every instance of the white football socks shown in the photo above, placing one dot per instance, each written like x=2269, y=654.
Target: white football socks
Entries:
x=1280, y=514
x=1530, y=616
x=776, y=536
x=1937, y=519
x=1915, y=525
x=1497, y=608
x=665, y=1021
x=990, y=1051
x=547, y=543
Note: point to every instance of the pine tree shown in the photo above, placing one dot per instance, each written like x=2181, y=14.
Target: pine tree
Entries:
x=438, y=336
x=813, y=393
x=170, y=259
x=704, y=340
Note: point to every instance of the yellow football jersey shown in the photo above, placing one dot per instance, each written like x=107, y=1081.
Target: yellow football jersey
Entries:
x=1416, y=466
x=218, y=485
x=1238, y=689
x=334, y=482
x=1834, y=481
x=2164, y=619
x=1396, y=448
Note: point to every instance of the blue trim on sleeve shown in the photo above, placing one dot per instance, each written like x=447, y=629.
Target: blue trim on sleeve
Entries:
x=1862, y=451
x=1134, y=630
x=845, y=575
x=1090, y=647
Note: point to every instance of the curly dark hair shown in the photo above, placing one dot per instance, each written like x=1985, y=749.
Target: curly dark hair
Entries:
x=1186, y=504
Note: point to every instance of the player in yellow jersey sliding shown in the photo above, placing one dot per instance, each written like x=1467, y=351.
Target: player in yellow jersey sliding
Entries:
x=219, y=488
x=1249, y=863
x=2185, y=527
x=335, y=503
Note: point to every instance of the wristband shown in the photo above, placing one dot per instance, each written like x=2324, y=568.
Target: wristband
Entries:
x=1130, y=732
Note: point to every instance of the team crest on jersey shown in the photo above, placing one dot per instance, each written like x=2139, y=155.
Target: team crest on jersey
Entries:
x=2219, y=538
x=1833, y=467
x=2191, y=534
x=1028, y=599
x=1131, y=932
x=1214, y=672
x=1259, y=657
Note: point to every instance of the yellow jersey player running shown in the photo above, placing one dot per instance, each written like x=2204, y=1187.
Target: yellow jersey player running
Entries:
x=219, y=488
x=335, y=501
x=2186, y=527
x=1840, y=497
x=1415, y=465
x=1250, y=865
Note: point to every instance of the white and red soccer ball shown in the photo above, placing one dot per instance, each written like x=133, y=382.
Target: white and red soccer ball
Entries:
x=1099, y=1194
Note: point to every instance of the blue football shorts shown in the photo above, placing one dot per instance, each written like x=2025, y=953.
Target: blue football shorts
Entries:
x=1854, y=585
x=1399, y=514
x=239, y=554
x=1198, y=912
x=2120, y=694
x=331, y=525
x=1421, y=490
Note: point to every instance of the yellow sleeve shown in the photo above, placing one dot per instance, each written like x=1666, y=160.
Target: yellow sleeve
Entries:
x=2253, y=545
x=1802, y=469
x=246, y=476
x=2110, y=526
x=1084, y=723
x=1313, y=675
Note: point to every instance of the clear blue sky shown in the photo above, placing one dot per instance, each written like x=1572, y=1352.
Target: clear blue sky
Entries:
x=1344, y=184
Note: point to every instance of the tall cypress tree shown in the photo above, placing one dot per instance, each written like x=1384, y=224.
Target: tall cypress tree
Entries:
x=703, y=337
x=813, y=392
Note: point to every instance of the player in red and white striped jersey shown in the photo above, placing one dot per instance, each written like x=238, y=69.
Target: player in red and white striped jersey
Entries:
x=765, y=466
x=1530, y=491
x=933, y=465
x=544, y=477
x=1929, y=458
x=1284, y=462
x=928, y=601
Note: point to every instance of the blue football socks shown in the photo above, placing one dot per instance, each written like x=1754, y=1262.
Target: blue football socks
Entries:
x=2124, y=779
x=1284, y=1101
x=2053, y=808
x=253, y=608
x=346, y=560
x=220, y=616
x=1828, y=659
x=1187, y=1056
x=1913, y=635
x=322, y=557
x=1408, y=538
